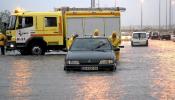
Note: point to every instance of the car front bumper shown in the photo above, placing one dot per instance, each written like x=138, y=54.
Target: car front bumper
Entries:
x=99, y=67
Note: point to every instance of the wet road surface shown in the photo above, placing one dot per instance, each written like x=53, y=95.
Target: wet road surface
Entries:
x=143, y=73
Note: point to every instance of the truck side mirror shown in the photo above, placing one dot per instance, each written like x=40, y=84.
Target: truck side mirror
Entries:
x=19, y=26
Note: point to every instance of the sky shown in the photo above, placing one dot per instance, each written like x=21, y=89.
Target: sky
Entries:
x=132, y=15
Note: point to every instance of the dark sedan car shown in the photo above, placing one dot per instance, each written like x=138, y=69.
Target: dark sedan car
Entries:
x=91, y=54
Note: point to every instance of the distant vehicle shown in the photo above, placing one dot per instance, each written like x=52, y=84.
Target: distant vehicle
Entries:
x=148, y=35
x=165, y=37
x=91, y=54
x=125, y=36
x=139, y=38
x=155, y=35
x=173, y=38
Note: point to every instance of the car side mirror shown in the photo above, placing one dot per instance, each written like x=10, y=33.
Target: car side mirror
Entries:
x=116, y=49
x=121, y=46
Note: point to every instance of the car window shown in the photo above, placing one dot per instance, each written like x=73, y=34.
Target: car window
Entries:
x=142, y=35
x=136, y=35
x=91, y=44
x=139, y=35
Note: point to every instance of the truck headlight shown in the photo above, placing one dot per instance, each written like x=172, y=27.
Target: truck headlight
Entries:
x=72, y=62
x=12, y=46
x=106, y=62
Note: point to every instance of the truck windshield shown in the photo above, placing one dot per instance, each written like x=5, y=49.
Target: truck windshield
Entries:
x=90, y=44
x=12, y=23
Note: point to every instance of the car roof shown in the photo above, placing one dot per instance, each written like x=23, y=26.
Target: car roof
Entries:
x=139, y=32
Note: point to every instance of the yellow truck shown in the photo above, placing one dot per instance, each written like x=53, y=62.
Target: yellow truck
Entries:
x=38, y=32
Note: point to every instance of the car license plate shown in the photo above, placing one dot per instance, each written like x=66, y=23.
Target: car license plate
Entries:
x=89, y=68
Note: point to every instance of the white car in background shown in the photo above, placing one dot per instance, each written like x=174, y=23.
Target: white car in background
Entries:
x=139, y=39
x=173, y=38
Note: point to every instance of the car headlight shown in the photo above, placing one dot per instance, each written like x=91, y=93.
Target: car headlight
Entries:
x=72, y=62
x=106, y=61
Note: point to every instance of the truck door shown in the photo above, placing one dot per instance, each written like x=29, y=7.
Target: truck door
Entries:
x=51, y=31
x=24, y=29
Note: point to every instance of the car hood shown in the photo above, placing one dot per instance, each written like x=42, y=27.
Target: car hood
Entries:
x=84, y=55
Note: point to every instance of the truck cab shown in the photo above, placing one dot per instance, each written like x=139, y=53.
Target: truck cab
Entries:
x=35, y=32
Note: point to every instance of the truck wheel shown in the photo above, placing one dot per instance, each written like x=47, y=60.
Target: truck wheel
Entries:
x=37, y=50
x=24, y=52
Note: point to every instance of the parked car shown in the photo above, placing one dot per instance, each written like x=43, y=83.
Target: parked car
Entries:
x=155, y=35
x=165, y=37
x=173, y=38
x=91, y=54
x=139, y=38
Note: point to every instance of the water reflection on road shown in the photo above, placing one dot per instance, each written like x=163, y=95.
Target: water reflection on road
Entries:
x=99, y=87
x=143, y=73
x=163, y=72
x=20, y=78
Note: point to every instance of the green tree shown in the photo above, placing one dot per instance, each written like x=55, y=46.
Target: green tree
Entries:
x=4, y=18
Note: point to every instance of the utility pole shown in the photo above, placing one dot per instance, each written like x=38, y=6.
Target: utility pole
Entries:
x=92, y=3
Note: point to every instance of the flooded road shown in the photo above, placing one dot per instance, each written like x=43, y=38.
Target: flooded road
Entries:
x=143, y=73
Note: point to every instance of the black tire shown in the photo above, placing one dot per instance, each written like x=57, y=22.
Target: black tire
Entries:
x=146, y=43
x=113, y=69
x=66, y=69
x=37, y=49
x=24, y=52
x=132, y=44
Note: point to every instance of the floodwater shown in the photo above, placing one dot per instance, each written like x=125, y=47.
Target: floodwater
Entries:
x=143, y=73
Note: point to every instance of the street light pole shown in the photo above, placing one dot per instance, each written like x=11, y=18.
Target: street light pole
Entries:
x=159, y=13
x=141, y=14
x=92, y=3
x=173, y=2
x=166, y=15
x=170, y=3
x=115, y=1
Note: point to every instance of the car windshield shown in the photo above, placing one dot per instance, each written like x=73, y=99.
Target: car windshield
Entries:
x=139, y=35
x=90, y=44
x=142, y=35
x=136, y=35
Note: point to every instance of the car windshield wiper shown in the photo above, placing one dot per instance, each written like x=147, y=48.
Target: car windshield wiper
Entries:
x=99, y=46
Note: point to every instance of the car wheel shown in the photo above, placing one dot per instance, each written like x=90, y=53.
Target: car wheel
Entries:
x=66, y=69
x=146, y=43
x=132, y=44
x=113, y=69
